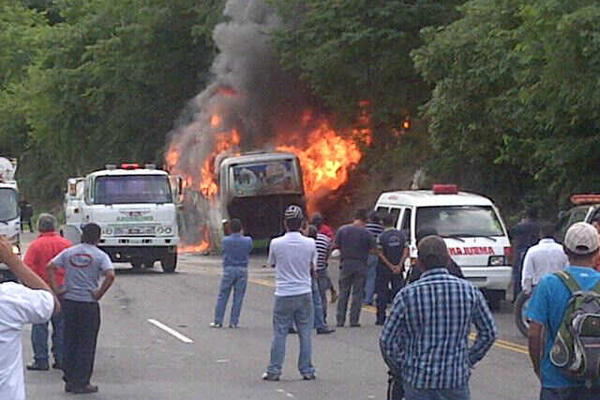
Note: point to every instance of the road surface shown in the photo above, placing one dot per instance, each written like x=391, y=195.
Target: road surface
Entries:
x=155, y=344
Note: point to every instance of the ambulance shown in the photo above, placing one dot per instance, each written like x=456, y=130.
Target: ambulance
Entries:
x=471, y=226
x=136, y=208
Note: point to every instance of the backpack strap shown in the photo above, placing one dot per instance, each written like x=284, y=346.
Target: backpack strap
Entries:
x=569, y=281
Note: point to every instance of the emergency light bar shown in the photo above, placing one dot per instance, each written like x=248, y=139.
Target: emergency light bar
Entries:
x=130, y=166
x=445, y=189
x=580, y=199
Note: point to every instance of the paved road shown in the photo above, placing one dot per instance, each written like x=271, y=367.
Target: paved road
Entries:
x=138, y=360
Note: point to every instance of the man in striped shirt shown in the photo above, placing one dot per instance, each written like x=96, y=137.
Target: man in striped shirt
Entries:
x=425, y=341
x=323, y=243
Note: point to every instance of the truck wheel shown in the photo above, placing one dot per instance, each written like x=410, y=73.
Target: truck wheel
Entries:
x=520, y=318
x=169, y=262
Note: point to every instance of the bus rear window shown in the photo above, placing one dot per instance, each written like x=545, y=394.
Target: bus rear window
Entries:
x=265, y=178
x=467, y=221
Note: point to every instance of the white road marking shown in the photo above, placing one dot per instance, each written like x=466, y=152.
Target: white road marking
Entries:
x=170, y=331
x=223, y=360
x=289, y=395
x=280, y=391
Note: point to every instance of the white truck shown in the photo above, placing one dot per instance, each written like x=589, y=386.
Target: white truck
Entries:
x=10, y=223
x=135, y=206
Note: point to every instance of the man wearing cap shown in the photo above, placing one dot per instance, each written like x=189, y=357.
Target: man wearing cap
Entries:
x=546, y=310
x=294, y=257
x=425, y=340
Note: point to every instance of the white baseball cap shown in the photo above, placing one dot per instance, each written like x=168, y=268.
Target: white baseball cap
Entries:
x=581, y=239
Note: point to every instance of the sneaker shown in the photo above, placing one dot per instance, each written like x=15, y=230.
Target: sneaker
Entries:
x=57, y=365
x=35, y=366
x=325, y=330
x=82, y=389
x=233, y=326
x=309, y=377
x=356, y=325
x=267, y=376
x=215, y=325
x=340, y=324
x=379, y=323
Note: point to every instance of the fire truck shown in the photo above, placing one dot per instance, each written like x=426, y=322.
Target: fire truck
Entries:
x=585, y=208
x=10, y=224
x=136, y=208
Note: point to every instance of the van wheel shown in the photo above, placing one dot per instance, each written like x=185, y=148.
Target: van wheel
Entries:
x=169, y=262
x=493, y=298
x=520, y=318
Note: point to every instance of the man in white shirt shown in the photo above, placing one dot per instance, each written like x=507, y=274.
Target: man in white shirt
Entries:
x=544, y=258
x=294, y=257
x=30, y=303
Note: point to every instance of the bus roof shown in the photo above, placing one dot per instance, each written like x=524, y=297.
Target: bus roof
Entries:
x=252, y=157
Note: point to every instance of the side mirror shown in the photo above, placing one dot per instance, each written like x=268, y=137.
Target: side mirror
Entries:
x=561, y=214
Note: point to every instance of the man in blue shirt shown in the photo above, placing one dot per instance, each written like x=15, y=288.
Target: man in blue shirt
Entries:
x=236, y=251
x=425, y=340
x=546, y=310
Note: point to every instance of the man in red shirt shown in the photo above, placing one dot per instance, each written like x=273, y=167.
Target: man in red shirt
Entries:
x=41, y=251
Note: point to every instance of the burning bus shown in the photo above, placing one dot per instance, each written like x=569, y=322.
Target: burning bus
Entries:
x=256, y=187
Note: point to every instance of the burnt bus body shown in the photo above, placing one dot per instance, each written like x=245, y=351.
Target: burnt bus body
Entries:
x=256, y=188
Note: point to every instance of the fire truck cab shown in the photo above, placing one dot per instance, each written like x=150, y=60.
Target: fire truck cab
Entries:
x=471, y=226
x=136, y=209
x=585, y=208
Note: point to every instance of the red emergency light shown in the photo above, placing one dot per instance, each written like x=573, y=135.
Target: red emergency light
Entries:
x=579, y=199
x=130, y=166
x=439, y=188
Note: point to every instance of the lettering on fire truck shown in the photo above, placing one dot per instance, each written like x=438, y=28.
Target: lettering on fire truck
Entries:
x=471, y=251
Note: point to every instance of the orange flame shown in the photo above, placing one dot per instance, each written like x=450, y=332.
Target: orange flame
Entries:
x=202, y=247
x=223, y=142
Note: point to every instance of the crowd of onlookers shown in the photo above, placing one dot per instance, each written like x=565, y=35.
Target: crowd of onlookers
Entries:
x=427, y=309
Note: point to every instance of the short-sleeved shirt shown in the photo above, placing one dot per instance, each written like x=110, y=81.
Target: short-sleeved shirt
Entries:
x=42, y=250
x=355, y=243
x=84, y=264
x=323, y=243
x=542, y=259
x=547, y=307
x=292, y=255
x=236, y=250
x=392, y=243
x=18, y=306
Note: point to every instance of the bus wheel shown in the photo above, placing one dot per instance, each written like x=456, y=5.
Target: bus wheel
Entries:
x=136, y=263
x=169, y=262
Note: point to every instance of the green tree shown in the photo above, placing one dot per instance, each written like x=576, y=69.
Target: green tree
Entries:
x=516, y=98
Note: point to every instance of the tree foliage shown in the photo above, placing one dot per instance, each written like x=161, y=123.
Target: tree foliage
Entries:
x=106, y=84
x=516, y=98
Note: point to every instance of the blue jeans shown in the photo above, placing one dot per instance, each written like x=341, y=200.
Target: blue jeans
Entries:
x=236, y=278
x=318, y=306
x=39, y=341
x=290, y=310
x=372, y=262
x=411, y=393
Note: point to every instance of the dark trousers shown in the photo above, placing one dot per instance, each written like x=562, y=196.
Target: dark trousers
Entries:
x=573, y=393
x=351, y=279
x=26, y=221
x=387, y=284
x=82, y=322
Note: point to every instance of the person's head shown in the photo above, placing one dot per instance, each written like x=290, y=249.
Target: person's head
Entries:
x=360, y=216
x=373, y=217
x=389, y=220
x=46, y=223
x=312, y=232
x=532, y=213
x=581, y=244
x=426, y=231
x=317, y=220
x=547, y=230
x=90, y=233
x=293, y=218
x=432, y=252
x=235, y=225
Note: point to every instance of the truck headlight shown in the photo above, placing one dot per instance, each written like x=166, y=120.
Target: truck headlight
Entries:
x=108, y=231
x=496, y=261
x=159, y=230
x=168, y=230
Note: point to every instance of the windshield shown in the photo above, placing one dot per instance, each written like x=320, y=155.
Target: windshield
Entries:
x=128, y=189
x=271, y=177
x=9, y=204
x=467, y=221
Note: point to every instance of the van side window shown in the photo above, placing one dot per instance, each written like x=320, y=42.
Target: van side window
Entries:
x=396, y=213
x=382, y=210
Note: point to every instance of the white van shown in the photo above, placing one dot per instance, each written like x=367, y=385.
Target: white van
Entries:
x=470, y=225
